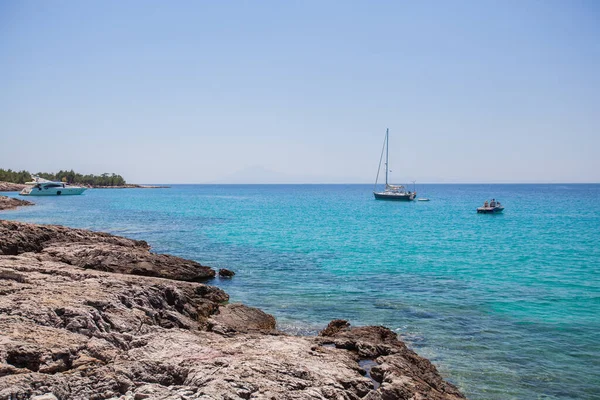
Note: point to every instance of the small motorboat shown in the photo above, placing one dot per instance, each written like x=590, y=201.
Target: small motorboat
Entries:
x=491, y=207
x=423, y=199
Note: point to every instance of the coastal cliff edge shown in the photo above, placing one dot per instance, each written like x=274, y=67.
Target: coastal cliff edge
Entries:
x=89, y=315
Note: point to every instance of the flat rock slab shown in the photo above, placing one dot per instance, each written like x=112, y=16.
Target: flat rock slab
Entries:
x=97, y=250
x=241, y=318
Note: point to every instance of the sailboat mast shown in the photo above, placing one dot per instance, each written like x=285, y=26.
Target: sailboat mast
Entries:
x=387, y=151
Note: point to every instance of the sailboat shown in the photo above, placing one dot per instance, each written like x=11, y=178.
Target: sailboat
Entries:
x=391, y=192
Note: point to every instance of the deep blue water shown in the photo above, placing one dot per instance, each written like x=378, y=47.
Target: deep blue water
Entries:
x=507, y=306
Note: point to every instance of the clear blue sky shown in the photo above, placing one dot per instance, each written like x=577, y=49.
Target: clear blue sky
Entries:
x=302, y=91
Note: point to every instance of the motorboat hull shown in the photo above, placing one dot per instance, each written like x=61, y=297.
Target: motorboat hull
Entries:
x=490, y=210
x=66, y=191
x=394, y=196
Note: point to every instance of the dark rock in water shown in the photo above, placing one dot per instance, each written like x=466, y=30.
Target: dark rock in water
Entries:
x=8, y=203
x=225, y=273
x=71, y=328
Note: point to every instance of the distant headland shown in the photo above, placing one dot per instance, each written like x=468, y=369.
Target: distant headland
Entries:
x=15, y=180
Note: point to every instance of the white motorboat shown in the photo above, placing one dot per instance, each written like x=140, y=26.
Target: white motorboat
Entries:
x=43, y=187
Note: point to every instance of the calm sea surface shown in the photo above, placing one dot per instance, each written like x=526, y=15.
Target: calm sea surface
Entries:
x=507, y=306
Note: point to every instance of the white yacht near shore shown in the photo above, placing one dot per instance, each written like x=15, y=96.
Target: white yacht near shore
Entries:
x=43, y=187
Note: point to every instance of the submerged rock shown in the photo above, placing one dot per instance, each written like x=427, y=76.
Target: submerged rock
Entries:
x=73, y=332
x=225, y=273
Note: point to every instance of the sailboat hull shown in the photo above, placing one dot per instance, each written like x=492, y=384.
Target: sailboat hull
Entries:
x=394, y=196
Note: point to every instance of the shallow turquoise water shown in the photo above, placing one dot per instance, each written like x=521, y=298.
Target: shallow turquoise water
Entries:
x=507, y=306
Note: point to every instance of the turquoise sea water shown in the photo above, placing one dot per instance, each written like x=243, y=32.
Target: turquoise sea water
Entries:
x=507, y=306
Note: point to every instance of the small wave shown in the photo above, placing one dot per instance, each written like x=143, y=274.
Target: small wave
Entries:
x=300, y=329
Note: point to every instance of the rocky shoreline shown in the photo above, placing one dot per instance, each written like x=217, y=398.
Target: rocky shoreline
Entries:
x=9, y=203
x=11, y=187
x=88, y=315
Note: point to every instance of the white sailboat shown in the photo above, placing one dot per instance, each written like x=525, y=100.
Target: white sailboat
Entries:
x=391, y=192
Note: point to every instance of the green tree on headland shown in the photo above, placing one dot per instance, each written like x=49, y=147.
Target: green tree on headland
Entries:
x=14, y=176
x=71, y=177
